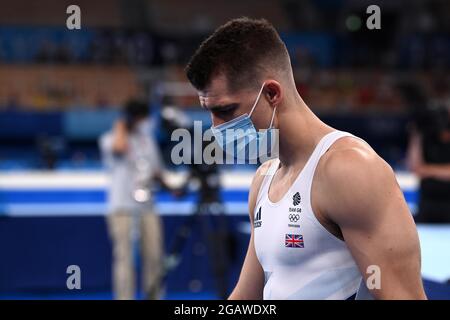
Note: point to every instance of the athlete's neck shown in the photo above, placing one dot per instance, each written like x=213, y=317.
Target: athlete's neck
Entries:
x=300, y=132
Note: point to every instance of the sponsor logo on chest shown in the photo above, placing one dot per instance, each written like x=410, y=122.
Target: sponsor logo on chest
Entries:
x=258, y=219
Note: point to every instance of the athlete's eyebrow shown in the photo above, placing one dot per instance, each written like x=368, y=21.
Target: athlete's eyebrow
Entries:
x=222, y=107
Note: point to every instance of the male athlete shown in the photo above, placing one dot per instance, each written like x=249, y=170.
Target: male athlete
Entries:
x=329, y=220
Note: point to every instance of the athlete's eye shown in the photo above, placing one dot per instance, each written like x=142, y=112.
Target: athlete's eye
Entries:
x=224, y=111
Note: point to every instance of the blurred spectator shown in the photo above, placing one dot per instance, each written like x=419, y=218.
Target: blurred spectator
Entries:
x=429, y=156
x=133, y=163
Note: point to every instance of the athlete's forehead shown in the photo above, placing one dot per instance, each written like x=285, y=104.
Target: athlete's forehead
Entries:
x=214, y=105
x=216, y=94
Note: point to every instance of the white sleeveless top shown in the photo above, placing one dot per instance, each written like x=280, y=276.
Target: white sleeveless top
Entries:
x=300, y=258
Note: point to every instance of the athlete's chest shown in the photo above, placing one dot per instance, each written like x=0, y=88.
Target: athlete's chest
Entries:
x=282, y=181
x=288, y=232
x=307, y=191
x=281, y=229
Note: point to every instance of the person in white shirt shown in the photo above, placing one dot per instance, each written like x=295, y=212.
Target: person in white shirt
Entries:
x=133, y=163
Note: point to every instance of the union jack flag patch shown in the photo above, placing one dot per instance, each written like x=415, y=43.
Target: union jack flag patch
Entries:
x=294, y=241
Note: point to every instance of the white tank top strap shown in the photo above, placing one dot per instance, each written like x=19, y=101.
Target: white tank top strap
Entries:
x=325, y=143
x=268, y=175
x=308, y=172
x=310, y=167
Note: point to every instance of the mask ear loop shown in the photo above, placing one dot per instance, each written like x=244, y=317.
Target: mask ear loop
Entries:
x=273, y=116
x=257, y=99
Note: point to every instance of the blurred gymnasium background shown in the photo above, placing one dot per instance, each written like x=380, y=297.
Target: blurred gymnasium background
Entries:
x=61, y=89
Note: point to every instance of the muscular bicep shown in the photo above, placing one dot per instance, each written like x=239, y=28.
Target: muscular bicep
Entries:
x=377, y=226
x=386, y=241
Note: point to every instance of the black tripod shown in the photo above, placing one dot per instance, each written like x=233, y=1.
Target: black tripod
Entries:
x=218, y=240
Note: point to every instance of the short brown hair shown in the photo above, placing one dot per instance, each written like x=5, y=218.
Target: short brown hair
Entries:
x=242, y=49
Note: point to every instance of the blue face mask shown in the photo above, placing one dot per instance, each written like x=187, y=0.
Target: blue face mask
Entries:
x=239, y=138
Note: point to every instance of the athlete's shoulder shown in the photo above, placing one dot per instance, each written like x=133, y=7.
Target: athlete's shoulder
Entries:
x=351, y=157
x=353, y=180
x=353, y=165
x=355, y=187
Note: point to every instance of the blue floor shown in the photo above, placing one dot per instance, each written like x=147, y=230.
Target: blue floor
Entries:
x=434, y=290
x=435, y=244
x=435, y=249
x=104, y=296
x=437, y=291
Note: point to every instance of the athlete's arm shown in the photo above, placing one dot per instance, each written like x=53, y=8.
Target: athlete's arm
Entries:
x=250, y=285
x=359, y=193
